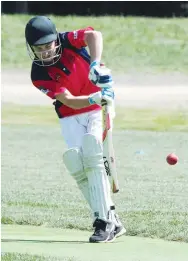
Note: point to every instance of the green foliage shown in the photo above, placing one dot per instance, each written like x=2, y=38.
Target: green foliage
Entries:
x=130, y=43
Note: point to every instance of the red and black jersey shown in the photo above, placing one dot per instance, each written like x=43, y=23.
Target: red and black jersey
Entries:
x=70, y=72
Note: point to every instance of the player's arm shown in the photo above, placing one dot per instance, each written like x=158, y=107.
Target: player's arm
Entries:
x=78, y=102
x=100, y=76
x=86, y=37
x=56, y=91
x=94, y=41
x=74, y=102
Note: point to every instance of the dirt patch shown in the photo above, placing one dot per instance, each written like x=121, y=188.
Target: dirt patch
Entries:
x=132, y=90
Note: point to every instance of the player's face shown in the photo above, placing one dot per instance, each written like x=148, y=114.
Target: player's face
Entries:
x=45, y=52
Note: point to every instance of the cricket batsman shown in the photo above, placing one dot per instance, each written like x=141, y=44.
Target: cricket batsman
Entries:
x=64, y=71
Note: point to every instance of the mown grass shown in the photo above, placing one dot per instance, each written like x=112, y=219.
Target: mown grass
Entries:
x=126, y=118
x=37, y=190
x=130, y=43
x=26, y=257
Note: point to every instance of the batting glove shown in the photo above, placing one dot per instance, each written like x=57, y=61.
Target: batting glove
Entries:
x=106, y=96
x=100, y=75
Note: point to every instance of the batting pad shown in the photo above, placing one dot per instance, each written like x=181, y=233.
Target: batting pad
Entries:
x=72, y=159
x=94, y=169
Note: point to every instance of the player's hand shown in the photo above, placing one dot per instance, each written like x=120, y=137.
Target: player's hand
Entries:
x=100, y=75
x=106, y=96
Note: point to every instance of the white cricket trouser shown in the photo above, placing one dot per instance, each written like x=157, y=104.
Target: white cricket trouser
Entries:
x=73, y=130
x=74, y=127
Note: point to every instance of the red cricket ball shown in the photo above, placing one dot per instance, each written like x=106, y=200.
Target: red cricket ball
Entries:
x=172, y=159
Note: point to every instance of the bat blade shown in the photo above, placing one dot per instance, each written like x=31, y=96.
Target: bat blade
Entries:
x=108, y=150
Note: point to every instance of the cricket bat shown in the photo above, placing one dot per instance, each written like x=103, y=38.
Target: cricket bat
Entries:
x=108, y=150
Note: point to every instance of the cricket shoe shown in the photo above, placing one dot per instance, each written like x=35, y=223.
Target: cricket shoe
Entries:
x=119, y=228
x=104, y=232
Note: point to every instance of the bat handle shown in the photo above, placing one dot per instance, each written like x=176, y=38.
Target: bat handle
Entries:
x=103, y=102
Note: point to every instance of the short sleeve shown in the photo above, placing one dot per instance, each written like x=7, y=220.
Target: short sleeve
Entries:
x=42, y=81
x=76, y=38
x=50, y=88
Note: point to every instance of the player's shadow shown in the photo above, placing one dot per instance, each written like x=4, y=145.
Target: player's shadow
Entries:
x=45, y=241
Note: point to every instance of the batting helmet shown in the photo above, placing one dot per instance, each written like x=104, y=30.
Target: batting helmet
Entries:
x=41, y=30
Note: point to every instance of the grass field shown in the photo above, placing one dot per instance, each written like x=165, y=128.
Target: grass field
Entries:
x=72, y=245
x=25, y=257
x=126, y=118
x=137, y=44
x=37, y=190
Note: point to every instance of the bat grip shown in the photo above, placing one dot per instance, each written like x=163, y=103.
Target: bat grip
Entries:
x=103, y=102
